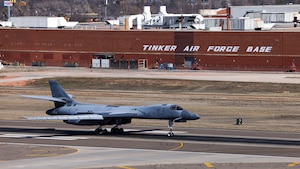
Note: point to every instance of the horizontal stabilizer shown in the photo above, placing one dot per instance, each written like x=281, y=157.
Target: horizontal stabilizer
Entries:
x=68, y=117
x=45, y=98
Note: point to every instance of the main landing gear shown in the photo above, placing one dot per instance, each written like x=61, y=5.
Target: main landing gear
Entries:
x=114, y=130
x=170, y=134
x=101, y=131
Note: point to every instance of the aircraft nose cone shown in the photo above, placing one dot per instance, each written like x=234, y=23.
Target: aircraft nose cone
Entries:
x=189, y=116
x=196, y=116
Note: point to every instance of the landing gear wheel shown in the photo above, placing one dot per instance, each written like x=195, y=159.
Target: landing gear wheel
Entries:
x=170, y=134
x=116, y=130
x=101, y=131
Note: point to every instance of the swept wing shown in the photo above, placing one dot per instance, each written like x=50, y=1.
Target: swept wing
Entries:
x=68, y=117
x=120, y=114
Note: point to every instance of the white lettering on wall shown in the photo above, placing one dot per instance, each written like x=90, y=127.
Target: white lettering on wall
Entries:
x=166, y=48
x=260, y=49
x=169, y=48
x=191, y=49
x=223, y=49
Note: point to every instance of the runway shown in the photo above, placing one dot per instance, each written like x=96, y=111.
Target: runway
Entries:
x=143, y=146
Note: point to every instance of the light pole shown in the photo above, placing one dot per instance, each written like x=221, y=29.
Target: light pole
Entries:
x=105, y=9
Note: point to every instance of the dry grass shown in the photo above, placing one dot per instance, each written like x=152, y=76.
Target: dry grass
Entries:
x=271, y=107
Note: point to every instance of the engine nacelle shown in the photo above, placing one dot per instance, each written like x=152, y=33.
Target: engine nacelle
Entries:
x=83, y=122
x=106, y=121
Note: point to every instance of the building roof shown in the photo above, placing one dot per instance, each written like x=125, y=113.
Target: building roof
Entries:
x=239, y=11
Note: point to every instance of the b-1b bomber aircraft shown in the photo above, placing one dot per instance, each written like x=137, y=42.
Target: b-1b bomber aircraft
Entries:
x=77, y=113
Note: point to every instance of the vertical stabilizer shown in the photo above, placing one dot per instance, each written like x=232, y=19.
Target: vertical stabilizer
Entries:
x=58, y=92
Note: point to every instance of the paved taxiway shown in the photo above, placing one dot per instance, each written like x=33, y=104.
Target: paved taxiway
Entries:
x=145, y=146
x=51, y=72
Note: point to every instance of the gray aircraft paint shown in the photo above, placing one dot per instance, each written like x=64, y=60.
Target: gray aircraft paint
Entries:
x=77, y=113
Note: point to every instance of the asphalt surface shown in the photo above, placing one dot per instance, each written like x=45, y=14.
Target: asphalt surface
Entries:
x=30, y=73
x=145, y=147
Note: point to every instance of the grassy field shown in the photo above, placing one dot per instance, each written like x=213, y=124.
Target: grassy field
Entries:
x=263, y=106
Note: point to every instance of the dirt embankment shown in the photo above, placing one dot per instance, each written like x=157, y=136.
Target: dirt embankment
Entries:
x=14, y=83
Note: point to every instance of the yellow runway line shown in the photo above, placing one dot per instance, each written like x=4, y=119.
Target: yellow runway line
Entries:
x=208, y=165
x=176, y=148
x=293, y=164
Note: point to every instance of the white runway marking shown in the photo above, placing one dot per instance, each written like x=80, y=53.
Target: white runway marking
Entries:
x=45, y=137
x=154, y=131
x=19, y=135
x=67, y=138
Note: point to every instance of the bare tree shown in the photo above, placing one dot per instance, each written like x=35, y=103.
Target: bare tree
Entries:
x=77, y=8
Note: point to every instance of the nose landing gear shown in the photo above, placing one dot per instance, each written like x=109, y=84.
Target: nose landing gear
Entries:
x=170, y=134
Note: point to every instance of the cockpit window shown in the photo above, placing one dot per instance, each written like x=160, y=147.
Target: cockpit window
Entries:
x=174, y=107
